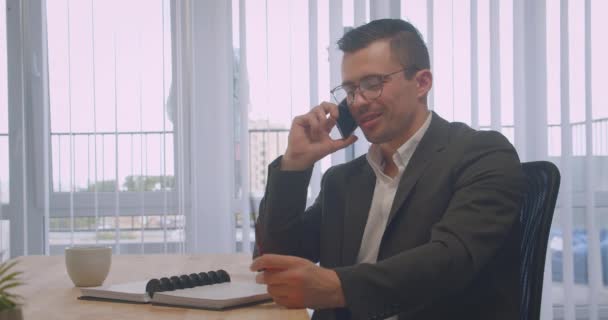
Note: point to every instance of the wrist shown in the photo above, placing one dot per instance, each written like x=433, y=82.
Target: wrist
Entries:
x=337, y=294
x=291, y=163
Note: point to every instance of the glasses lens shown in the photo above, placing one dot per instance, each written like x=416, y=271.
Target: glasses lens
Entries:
x=371, y=87
x=339, y=94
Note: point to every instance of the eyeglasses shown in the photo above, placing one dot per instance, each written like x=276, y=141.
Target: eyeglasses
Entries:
x=369, y=87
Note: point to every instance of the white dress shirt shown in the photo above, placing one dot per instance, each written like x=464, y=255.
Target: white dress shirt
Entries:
x=384, y=194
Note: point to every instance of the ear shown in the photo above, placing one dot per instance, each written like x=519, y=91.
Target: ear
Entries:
x=424, y=82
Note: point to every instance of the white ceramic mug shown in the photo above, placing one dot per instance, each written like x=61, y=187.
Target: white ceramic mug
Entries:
x=88, y=266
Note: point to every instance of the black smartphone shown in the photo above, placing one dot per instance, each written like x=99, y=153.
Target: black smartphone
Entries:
x=346, y=123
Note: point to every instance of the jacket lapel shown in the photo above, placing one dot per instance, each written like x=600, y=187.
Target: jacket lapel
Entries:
x=360, y=188
x=432, y=142
x=360, y=191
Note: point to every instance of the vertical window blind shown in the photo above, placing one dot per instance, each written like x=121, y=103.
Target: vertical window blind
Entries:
x=4, y=170
x=4, y=155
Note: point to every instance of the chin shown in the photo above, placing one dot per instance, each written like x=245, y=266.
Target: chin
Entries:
x=374, y=138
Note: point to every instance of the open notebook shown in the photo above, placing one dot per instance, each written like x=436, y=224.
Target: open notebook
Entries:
x=210, y=290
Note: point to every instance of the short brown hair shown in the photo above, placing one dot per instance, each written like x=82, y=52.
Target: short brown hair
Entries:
x=405, y=40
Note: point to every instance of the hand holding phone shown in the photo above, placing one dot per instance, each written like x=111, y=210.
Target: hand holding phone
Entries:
x=346, y=123
x=309, y=137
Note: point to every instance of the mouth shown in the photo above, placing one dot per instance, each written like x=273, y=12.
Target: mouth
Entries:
x=369, y=119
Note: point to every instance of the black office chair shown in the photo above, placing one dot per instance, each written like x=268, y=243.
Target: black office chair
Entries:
x=536, y=216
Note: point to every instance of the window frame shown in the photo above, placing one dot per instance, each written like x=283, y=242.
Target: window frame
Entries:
x=6, y=134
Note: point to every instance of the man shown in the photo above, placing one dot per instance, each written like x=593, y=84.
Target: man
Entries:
x=425, y=226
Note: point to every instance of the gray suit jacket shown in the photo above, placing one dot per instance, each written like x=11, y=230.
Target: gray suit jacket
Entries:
x=451, y=245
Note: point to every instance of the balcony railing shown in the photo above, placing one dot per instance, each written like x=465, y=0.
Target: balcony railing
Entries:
x=264, y=146
x=105, y=181
x=599, y=128
x=267, y=144
x=132, y=152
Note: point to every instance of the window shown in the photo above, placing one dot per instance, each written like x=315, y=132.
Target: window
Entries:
x=567, y=102
x=111, y=123
x=114, y=152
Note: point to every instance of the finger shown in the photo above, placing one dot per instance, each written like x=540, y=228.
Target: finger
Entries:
x=321, y=118
x=276, y=261
x=330, y=108
x=263, y=276
x=343, y=143
x=301, y=120
x=291, y=277
x=260, y=278
x=310, y=123
x=280, y=290
x=313, y=125
x=264, y=261
x=329, y=124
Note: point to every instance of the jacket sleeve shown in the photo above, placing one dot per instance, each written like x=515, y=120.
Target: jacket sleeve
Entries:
x=488, y=186
x=284, y=226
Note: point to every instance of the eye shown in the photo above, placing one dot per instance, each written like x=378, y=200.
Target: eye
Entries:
x=349, y=89
x=371, y=83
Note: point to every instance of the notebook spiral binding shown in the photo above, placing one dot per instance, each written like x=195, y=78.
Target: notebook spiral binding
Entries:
x=186, y=281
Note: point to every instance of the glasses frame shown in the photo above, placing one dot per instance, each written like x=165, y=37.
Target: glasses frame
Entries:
x=384, y=79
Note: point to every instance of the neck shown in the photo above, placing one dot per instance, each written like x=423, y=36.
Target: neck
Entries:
x=389, y=148
x=390, y=168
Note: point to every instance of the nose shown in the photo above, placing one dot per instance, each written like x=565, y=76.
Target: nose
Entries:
x=359, y=102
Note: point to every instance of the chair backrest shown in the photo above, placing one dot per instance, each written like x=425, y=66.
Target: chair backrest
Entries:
x=536, y=216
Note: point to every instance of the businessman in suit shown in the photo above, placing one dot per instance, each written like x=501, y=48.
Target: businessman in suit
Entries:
x=424, y=226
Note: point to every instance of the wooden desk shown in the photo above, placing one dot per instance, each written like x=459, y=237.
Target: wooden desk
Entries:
x=50, y=294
